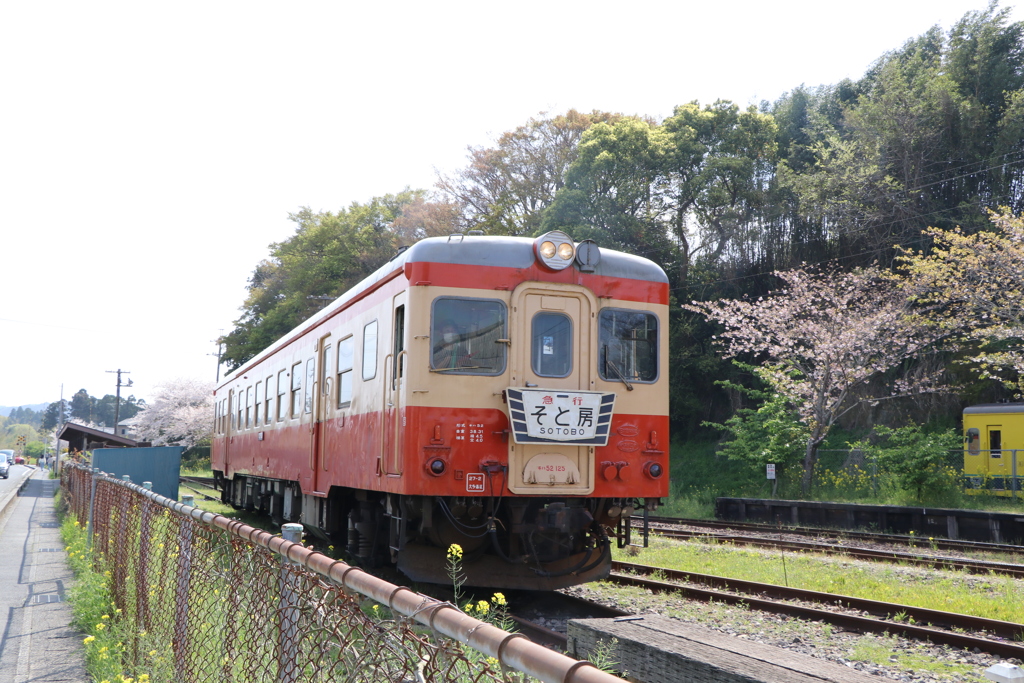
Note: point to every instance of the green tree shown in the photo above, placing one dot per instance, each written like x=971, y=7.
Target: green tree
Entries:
x=56, y=413
x=716, y=178
x=83, y=406
x=105, y=409
x=769, y=434
x=917, y=461
x=608, y=192
x=505, y=188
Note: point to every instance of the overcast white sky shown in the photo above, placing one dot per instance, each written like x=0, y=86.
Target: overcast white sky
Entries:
x=150, y=152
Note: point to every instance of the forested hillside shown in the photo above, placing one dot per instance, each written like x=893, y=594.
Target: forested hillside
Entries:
x=722, y=195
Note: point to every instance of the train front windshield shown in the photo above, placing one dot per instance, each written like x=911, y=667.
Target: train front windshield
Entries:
x=468, y=336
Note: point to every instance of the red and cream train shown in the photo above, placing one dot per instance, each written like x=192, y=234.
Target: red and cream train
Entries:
x=506, y=394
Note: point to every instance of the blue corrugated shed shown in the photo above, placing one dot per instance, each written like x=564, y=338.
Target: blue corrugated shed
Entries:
x=158, y=464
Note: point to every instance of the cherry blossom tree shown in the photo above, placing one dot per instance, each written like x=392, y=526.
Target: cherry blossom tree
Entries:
x=181, y=414
x=978, y=282
x=822, y=339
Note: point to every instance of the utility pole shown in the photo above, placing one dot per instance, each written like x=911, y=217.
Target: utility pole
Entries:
x=219, y=341
x=117, y=401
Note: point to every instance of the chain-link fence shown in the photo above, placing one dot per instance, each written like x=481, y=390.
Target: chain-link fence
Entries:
x=212, y=599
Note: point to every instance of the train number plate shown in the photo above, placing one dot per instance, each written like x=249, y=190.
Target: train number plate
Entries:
x=543, y=416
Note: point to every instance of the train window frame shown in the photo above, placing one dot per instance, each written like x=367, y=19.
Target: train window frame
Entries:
x=466, y=339
x=346, y=372
x=535, y=357
x=602, y=345
x=258, y=413
x=296, y=389
x=282, y=392
x=370, y=341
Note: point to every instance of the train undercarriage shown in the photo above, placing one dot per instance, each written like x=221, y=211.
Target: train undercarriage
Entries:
x=522, y=542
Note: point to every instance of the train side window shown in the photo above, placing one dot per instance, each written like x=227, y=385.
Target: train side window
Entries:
x=238, y=409
x=310, y=381
x=995, y=443
x=296, y=389
x=370, y=350
x=551, y=345
x=627, y=345
x=468, y=336
x=282, y=395
x=248, y=407
x=268, y=411
x=258, y=413
x=346, y=353
x=399, y=344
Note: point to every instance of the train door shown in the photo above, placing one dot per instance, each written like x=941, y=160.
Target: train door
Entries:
x=554, y=333
x=229, y=428
x=323, y=408
x=997, y=457
x=394, y=404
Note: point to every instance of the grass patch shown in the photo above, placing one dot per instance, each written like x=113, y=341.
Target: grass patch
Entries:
x=94, y=613
x=888, y=651
x=993, y=597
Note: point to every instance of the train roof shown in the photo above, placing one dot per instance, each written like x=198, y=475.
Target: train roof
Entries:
x=517, y=252
x=464, y=249
x=994, y=408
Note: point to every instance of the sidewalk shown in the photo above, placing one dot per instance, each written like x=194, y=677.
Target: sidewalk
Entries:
x=37, y=643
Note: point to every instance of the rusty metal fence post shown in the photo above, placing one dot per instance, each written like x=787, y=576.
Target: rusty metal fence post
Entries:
x=289, y=610
x=92, y=508
x=181, y=596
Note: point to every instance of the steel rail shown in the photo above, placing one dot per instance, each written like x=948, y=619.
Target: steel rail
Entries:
x=972, y=566
x=898, y=539
x=510, y=649
x=751, y=590
x=541, y=635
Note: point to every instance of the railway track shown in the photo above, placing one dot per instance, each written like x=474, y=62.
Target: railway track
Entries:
x=934, y=562
x=1000, y=638
x=207, y=484
x=559, y=607
x=840, y=535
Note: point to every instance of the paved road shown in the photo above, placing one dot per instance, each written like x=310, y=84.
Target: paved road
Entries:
x=37, y=643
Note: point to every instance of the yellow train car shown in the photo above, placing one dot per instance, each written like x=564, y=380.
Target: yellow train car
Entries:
x=994, y=448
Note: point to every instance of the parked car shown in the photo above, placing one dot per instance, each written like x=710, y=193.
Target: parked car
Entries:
x=5, y=469
x=18, y=460
x=7, y=455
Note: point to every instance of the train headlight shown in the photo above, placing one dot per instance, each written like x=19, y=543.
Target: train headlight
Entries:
x=555, y=250
x=437, y=467
x=654, y=470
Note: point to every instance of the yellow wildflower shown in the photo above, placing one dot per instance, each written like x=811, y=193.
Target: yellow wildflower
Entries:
x=499, y=600
x=455, y=551
x=482, y=607
x=89, y=639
